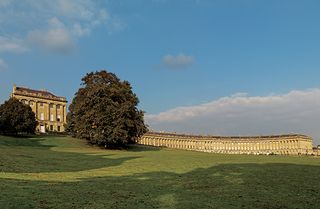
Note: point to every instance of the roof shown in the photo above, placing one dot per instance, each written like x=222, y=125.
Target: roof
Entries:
x=37, y=93
x=270, y=137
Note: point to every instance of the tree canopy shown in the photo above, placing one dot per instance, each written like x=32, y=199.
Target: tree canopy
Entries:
x=104, y=111
x=16, y=118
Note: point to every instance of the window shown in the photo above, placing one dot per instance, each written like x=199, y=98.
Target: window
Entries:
x=58, y=127
x=41, y=104
x=51, y=117
x=42, y=129
x=51, y=127
x=58, y=106
x=24, y=101
x=42, y=116
x=58, y=118
x=51, y=105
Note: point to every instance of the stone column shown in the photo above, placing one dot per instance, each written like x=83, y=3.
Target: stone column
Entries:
x=49, y=113
x=36, y=108
x=56, y=112
x=64, y=113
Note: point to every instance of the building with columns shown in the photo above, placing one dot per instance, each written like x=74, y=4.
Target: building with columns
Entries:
x=292, y=144
x=50, y=110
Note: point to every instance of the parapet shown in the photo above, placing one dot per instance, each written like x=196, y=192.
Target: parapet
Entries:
x=44, y=94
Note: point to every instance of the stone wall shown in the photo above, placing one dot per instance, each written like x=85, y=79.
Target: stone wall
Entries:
x=277, y=144
x=50, y=111
x=316, y=151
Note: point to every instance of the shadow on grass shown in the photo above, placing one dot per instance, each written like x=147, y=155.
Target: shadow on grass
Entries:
x=29, y=155
x=222, y=186
x=141, y=148
x=29, y=141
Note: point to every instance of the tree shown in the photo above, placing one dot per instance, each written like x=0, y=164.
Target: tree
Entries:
x=16, y=117
x=104, y=111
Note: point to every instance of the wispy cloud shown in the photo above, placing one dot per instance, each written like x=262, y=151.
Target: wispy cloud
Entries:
x=70, y=10
x=3, y=64
x=181, y=61
x=28, y=20
x=14, y=45
x=79, y=30
x=240, y=114
x=56, y=38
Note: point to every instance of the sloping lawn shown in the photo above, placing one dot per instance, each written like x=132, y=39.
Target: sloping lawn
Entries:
x=62, y=172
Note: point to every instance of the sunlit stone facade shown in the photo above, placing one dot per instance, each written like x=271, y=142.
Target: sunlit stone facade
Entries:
x=316, y=150
x=278, y=144
x=50, y=110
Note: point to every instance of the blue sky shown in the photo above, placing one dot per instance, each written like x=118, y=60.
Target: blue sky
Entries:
x=178, y=53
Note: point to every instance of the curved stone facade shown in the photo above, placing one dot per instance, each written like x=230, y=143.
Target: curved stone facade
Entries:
x=278, y=144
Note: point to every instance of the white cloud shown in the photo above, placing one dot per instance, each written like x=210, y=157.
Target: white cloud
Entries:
x=55, y=23
x=14, y=45
x=180, y=61
x=69, y=20
x=80, y=9
x=34, y=13
x=102, y=16
x=240, y=114
x=78, y=30
x=56, y=38
x=3, y=64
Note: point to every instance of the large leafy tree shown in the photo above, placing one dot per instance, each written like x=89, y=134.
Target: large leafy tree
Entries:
x=104, y=111
x=16, y=118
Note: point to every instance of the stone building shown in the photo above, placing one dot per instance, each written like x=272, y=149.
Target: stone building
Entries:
x=278, y=144
x=50, y=110
x=316, y=150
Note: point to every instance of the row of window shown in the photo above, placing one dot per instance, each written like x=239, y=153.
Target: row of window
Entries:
x=45, y=127
x=51, y=128
x=51, y=117
x=41, y=104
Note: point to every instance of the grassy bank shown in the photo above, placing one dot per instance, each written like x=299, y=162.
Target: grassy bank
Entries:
x=62, y=172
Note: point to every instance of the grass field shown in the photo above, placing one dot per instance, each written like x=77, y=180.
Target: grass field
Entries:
x=62, y=172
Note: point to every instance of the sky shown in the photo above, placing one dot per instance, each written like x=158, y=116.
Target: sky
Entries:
x=219, y=67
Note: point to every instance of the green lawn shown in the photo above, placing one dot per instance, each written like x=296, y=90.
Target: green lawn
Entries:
x=62, y=172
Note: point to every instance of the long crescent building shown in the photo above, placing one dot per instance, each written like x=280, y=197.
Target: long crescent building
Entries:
x=292, y=144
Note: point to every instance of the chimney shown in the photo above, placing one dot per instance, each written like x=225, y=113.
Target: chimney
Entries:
x=14, y=88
